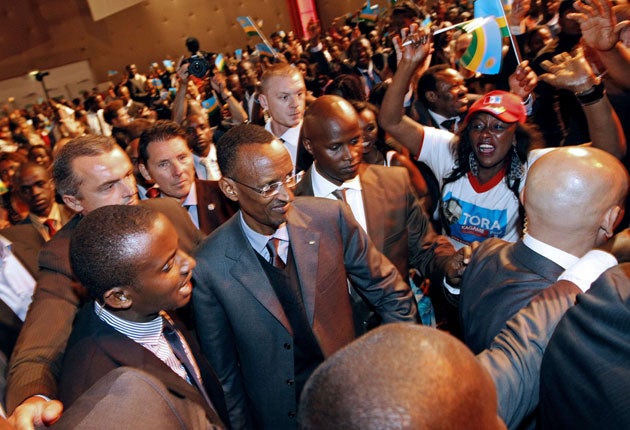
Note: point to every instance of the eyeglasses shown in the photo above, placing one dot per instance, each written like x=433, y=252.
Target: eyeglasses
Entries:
x=271, y=190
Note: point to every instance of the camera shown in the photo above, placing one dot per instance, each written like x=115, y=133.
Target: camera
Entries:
x=198, y=65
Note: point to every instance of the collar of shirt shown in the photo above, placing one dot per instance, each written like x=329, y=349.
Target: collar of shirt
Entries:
x=141, y=332
x=259, y=241
x=369, y=70
x=191, y=198
x=440, y=119
x=558, y=256
x=38, y=222
x=16, y=283
x=322, y=187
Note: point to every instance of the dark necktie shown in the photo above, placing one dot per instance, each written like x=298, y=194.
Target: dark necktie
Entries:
x=50, y=224
x=449, y=124
x=173, y=337
x=274, y=258
x=340, y=194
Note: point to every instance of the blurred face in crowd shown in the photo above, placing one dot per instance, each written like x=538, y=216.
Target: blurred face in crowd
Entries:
x=199, y=135
x=285, y=98
x=369, y=127
x=36, y=189
x=39, y=155
x=170, y=164
x=361, y=53
x=105, y=179
x=248, y=76
x=450, y=97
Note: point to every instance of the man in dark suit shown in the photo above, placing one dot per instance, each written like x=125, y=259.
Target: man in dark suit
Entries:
x=166, y=159
x=128, y=258
x=381, y=198
x=89, y=172
x=585, y=371
x=271, y=298
x=573, y=198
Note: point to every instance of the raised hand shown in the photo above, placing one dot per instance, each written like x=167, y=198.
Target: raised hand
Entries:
x=598, y=23
x=414, y=44
x=570, y=72
x=523, y=80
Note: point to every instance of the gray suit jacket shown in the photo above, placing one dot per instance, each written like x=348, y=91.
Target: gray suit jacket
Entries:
x=36, y=360
x=243, y=329
x=514, y=357
x=501, y=279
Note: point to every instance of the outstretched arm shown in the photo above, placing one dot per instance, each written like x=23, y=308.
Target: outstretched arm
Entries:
x=417, y=54
x=601, y=32
x=573, y=73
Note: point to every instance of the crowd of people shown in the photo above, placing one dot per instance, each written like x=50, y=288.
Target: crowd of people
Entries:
x=256, y=245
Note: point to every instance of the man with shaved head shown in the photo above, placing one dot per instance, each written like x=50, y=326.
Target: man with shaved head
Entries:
x=369, y=385
x=573, y=199
x=381, y=198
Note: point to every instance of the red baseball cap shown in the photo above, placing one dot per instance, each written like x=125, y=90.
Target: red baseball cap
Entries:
x=505, y=106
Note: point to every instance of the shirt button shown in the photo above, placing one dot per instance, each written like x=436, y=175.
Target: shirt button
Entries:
x=287, y=346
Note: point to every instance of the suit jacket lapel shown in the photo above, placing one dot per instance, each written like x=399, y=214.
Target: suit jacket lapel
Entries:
x=536, y=263
x=373, y=205
x=305, y=187
x=249, y=273
x=304, y=243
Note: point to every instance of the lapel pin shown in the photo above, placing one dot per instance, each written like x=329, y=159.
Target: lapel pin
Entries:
x=211, y=207
x=311, y=242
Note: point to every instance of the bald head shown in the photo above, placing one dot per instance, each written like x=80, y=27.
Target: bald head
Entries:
x=400, y=376
x=331, y=133
x=574, y=194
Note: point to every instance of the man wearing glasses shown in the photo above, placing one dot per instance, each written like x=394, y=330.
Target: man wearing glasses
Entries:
x=271, y=297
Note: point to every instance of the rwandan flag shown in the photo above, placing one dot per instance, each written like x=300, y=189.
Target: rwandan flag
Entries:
x=220, y=62
x=494, y=8
x=484, y=53
x=210, y=104
x=248, y=25
x=265, y=50
x=369, y=12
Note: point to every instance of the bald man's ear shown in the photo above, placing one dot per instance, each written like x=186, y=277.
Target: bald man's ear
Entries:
x=228, y=188
x=73, y=203
x=611, y=220
x=307, y=145
x=117, y=298
x=144, y=172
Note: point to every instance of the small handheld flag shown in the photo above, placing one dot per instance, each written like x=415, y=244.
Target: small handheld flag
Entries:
x=265, y=50
x=248, y=25
x=211, y=104
x=220, y=62
x=494, y=8
x=484, y=52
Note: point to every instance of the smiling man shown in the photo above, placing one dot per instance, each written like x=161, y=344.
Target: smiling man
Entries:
x=271, y=299
x=129, y=259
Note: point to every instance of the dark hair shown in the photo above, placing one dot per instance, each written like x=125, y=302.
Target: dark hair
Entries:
x=428, y=81
x=348, y=87
x=160, y=131
x=102, y=255
x=408, y=9
x=527, y=138
x=110, y=112
x=229, y=143
x=66, y=182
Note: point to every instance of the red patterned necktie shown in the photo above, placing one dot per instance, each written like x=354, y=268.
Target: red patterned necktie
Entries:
x=50, y=224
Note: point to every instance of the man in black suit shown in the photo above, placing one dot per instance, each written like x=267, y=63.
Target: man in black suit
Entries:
x=89, y=172
x=129, y=260
x=271, y=295
x=585, y=371
x=573, y=198
x=166, y=159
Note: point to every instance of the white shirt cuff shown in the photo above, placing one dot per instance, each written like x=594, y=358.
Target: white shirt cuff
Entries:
x=588, y=268
x=451, y=289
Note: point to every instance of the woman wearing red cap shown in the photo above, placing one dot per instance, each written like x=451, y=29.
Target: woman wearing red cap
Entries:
x=482, y=167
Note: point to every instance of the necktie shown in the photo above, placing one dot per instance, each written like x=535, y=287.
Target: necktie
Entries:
x=274, y=258
x=50, y=224
x=174, y=339
x=153, y=192
x=449, y=124
x=340, y=194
